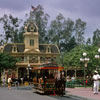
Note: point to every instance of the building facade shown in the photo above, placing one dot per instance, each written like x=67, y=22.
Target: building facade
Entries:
x=30, y=53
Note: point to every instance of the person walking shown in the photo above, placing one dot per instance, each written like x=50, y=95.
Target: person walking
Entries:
x=4, y=81
x=9, y=83
x=96, y=78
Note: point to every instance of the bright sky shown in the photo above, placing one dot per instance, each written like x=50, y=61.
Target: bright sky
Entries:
x=87, y=10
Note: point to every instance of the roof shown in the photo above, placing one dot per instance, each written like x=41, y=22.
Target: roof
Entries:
x=39, y=68
x=21, y=47
x=42, y=48
x=8, y=47
x=48, y=66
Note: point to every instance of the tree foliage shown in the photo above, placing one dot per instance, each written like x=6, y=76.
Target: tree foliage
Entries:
x=72, y=58
x=56, y=29
x=80, y=27
x=7, y=61
x=11, y=27
x=88, y=42
x=60, y=32
x=96, y=37
x=70, y=45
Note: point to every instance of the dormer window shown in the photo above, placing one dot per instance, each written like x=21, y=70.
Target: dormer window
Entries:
x=48, y=49
x=31, y=42
x=14, y=49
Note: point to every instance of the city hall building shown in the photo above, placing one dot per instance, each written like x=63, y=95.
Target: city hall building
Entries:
x=30, y=53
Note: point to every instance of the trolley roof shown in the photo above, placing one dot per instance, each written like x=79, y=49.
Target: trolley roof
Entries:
x=49, y=66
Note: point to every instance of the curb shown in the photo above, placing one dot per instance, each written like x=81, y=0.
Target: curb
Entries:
x=76, y=96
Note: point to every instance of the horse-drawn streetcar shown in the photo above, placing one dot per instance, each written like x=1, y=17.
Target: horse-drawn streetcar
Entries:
x=49, y=78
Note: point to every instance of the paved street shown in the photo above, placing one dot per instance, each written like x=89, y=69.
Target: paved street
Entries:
x=15, y=94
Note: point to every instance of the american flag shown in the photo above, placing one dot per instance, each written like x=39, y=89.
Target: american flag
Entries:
x=33, y=7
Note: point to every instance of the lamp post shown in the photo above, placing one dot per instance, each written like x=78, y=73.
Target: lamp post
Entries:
x=28, y=71
x=97, y=57
x=85, y=60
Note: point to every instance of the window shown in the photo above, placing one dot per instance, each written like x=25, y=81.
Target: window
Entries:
x=49, y=50
x=31, y=42
x=14, y=49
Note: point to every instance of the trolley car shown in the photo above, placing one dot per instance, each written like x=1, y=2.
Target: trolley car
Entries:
x=46, y=76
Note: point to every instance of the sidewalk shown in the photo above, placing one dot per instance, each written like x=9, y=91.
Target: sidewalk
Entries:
x=82, y=92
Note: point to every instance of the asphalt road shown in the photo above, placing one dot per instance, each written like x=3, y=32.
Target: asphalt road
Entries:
x=15, y=94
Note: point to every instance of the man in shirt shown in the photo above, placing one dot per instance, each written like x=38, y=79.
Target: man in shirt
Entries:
x=9, y=83
x=96, y=78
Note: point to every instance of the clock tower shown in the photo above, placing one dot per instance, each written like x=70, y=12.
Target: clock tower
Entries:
x=31, y=37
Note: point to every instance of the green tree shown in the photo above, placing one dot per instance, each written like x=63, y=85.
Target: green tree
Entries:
x=72, y=58
x=93, y=63
x=60, y=31
x=80, y=27
x=10, y=27
x=88, y=42
x=20, y=35
x=56, y=30
x=96, y=37
x=69, y=45
x=7, y=61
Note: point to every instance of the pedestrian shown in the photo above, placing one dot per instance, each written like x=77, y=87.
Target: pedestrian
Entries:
x=4, y=81
x=73, y=79
x=87, y=79
x=21, y=81
x=96, y=78
x=9, y=83
x=16, y=82
x=68, y=79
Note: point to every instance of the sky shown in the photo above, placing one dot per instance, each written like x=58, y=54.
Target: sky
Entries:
x=87, y=10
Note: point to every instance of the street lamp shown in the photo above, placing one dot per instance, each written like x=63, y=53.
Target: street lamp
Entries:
x=28, y=71
x=97, y=57
x=85, y=60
